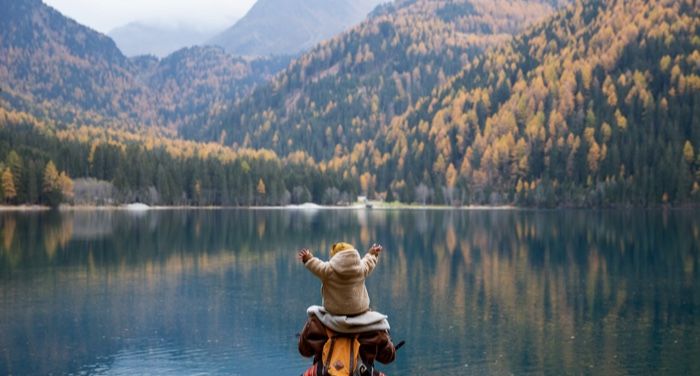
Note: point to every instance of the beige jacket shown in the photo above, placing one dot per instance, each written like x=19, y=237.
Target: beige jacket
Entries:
x=343, y=278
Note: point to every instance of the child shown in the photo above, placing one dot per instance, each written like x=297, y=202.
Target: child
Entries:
x=343, y=277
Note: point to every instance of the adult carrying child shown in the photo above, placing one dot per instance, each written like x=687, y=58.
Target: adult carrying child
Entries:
x=344, y=336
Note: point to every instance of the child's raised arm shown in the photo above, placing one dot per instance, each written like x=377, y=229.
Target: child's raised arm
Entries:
x=315, y=265
x=371, y=258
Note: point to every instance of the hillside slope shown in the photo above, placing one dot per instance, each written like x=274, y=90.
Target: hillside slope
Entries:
x=193, y=84
x=597, y=105
x=345, y=89
x=56, y=68
x=46, y=57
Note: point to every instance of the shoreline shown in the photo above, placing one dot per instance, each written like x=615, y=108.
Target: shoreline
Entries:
x=23, y=208
x=307, y=207
x=377, y=206
x=310, y=207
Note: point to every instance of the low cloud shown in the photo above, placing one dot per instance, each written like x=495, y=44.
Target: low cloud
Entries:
x=105, y=15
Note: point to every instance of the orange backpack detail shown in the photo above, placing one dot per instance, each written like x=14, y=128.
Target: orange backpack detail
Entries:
x=341, y=354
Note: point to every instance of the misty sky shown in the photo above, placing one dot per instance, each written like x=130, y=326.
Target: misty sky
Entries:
x=105, y=15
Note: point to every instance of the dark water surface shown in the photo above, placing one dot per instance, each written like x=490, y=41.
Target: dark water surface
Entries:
x=472, y=292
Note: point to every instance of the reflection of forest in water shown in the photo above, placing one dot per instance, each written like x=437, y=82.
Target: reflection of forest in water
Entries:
x=497, y=291
x=532, y=291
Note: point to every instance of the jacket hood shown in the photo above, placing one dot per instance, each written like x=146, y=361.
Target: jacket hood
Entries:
x=347, y=262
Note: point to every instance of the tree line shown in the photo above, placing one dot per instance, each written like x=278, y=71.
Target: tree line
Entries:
x=112, y=167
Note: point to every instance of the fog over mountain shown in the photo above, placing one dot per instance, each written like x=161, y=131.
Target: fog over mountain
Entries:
x=107, y=15
x=143, y=38
x=277, y=27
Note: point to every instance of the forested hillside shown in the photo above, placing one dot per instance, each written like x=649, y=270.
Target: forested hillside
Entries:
x=598, y=105
x=193, y=84
x=51, y=61
x=346, y=88
x=56, y=68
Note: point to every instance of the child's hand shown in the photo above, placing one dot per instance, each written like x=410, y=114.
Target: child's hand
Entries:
x=375, y=249
x=304, y=255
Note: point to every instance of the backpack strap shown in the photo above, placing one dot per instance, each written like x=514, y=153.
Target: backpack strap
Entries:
x=352, y=354
x=327, y=364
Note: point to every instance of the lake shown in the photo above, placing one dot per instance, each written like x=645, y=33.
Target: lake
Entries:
x=471, y=292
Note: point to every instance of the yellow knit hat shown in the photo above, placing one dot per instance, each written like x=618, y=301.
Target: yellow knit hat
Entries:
x=337, y=247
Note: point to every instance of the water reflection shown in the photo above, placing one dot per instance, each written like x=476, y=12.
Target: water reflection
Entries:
x=472, y=292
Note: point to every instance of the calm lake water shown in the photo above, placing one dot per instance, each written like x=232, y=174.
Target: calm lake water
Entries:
x=471, y=292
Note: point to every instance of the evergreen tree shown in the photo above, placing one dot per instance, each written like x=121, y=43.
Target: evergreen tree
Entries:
x=16, y=165
x=66, y=184
x=8, y=186
x=32, y=186
x=261, y=190
x=52, y=189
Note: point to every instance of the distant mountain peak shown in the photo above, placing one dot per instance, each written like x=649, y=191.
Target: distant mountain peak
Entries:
x=280, y=27
x=157, y=38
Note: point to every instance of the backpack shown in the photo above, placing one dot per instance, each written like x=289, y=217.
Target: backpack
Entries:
x=341, y=354
x=341, y=357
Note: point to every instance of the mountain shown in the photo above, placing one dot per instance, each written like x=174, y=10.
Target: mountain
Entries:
x=597, y=105
x=56, y=68
x=344, y=90
x=286, y=27
x=70, y=101
x=51, y=60
x=194, y=83
x=139, y=38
